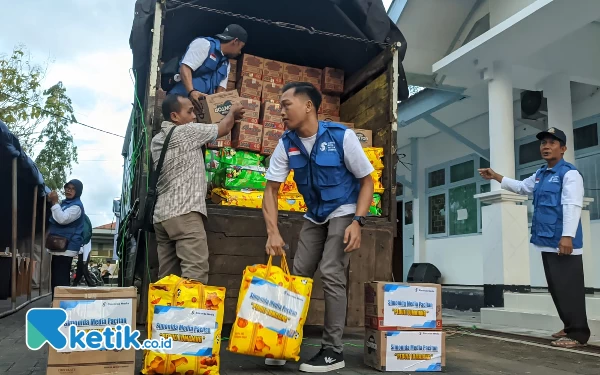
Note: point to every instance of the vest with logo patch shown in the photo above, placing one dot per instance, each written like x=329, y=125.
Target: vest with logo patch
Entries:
x=209, y=75
x=547, y=222
x=73, y=231
x=321, y=175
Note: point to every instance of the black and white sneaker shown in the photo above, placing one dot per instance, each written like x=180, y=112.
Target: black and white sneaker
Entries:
x=326, y=360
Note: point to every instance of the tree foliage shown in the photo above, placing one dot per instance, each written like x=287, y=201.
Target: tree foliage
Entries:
x=39, y=118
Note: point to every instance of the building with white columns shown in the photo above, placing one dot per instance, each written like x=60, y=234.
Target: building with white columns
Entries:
x=476, y=59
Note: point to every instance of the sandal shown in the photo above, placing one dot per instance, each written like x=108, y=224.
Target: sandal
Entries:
x=567, y=343
x=560, y=334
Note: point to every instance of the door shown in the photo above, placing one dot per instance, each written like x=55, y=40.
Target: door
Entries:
x=408, y=235
x=398, y=255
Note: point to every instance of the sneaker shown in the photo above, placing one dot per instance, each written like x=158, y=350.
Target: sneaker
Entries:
x=326, y=360
x=274, y=362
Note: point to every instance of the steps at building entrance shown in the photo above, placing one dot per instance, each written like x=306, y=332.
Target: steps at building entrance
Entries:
x=536, y=311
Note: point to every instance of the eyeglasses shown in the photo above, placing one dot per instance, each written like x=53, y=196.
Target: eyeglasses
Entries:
x=69, y=188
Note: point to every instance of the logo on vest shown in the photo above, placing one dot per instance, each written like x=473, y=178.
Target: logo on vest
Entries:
x=224, y=108
x=328, y=146
x=554, y=179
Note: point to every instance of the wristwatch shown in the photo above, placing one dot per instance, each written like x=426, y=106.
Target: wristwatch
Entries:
x=361, y=220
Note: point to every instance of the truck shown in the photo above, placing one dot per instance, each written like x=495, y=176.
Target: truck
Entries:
x=355, y=36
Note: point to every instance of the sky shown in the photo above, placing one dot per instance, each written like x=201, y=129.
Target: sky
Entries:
x=86, y=43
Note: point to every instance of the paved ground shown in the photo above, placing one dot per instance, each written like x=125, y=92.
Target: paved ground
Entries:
x=466, y=354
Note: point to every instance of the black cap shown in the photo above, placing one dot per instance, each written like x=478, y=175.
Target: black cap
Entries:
x=232, y=32
x=554, y=133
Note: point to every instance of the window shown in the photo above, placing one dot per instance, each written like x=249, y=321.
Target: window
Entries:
x=530, y=153
x=452, y=208
x=585, y=137
x=408, y=213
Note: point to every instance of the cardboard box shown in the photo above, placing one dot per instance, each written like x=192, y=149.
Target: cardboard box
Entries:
x=101, y=302
x=292, y=73
x=271, y=136
x=250, y=88
x=270, y=112
x=332, y=81
x=365, y=137
x=231, y=86
x=271, y=91
x=252, y=107
x=233, y=68
x=406, y=351
x=247, y=136
x=330, y=105
x=214, y=107
x=313, y=75
x=328, y=118
x=401, y=306
x=251, y=66
x=273, y=71
x=220, y=142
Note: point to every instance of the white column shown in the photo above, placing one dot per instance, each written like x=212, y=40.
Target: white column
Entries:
x=589, y=253
x=419, y=200
x=502, y=131
x=557, y=91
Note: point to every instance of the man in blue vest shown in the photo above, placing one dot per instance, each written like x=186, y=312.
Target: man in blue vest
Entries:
x=204, y=69
x=557, y=190
x=333, y=175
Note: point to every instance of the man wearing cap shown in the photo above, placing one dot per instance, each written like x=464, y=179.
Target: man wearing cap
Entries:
x=205, y=68
x=557, y=190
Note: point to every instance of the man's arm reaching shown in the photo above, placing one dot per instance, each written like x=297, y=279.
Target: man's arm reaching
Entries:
x=235, y=113
x=524, y=187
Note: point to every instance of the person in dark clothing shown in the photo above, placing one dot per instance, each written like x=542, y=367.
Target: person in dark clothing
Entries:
x=557, y=190
x=82, y=268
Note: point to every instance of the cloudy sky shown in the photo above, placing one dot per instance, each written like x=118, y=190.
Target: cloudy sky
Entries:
x=87, y=42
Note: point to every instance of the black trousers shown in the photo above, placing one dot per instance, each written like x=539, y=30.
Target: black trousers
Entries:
x=83, y=271
x=61, y=271
x=564, y=274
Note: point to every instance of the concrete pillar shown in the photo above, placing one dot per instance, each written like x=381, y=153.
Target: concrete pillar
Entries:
x=419, y=200
x=557, y=91
x=504, y=245
x=589, y=251
x=501, y=127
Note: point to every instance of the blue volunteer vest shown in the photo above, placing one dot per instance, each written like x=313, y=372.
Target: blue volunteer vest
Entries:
x=73, y=232
x=547, y=222
x=209, y=75
x=321, y=175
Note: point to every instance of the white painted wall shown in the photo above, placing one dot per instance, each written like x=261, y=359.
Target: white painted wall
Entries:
x=459, y=258
x=500, y=10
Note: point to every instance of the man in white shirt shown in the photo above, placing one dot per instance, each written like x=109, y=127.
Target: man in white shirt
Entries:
x=204, y=69
x=332, y=173
x=557, y=190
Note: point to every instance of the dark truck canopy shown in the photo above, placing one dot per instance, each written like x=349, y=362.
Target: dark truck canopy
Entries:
x=185, y=20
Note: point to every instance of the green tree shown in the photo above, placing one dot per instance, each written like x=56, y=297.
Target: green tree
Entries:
x=39, y=118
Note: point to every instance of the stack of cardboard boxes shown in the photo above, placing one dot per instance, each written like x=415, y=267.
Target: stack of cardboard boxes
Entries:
x=404, y=327
x=232, y=78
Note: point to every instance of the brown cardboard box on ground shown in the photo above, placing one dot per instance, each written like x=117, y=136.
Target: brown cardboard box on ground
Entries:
x=233, y=67
x=365, y=137
x=271, y=91
x=247, y=136
x=330, y=105
x=313, y=75
x=252, y=107
x=272, y=132
x=292, y=73
x=401, y=306
x=270, y=112
x=251, y=66
x=406, y=351
x=273, y=71
x=214, y=107
x=100, y=303
x=332, y=81
x=250, y=88
x=224, y=141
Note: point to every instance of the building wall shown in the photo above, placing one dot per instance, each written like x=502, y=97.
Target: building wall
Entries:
x=501, y=10
x=459, y=257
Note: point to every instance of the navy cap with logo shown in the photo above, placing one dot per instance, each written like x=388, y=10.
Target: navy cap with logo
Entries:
x=233, y=32
x=554, y=133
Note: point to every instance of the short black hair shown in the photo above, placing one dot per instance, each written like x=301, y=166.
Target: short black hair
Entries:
x=171, y=104
x=307, y=89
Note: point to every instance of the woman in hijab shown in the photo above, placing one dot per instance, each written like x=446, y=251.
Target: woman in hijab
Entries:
x=66, y=223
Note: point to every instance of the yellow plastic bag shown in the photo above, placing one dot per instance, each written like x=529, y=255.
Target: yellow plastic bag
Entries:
x=375, y=154
x=271, y=312
x=252, y=199
x=378, y=186
x=289, y=186
x=192, y=315
x=291, y=202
